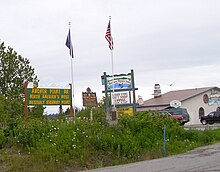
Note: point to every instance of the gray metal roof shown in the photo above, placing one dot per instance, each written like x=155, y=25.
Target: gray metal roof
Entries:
x=181, y=95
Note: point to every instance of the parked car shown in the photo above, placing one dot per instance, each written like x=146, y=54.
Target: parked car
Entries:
x=179, y=118
x=211, y=118
x=179, y=112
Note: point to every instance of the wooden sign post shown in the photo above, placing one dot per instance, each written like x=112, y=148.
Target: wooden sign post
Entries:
x=25, y=103
x=89, y=100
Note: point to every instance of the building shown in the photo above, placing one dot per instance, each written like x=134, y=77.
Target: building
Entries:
x=197, y=101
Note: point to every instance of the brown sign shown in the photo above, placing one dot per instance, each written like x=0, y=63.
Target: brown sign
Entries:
x=89, y=98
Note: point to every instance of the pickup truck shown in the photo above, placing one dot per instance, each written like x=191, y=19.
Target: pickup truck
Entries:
x=211, y=118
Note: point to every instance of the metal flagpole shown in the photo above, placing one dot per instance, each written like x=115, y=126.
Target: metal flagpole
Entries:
x=112, y=61
x=113, y=78
x=109, y=38
x=73, y=94
x=72, y=84
x=113, y=110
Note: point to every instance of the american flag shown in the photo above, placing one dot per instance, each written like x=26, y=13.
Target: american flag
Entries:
x=108, y=36
x=69, y=44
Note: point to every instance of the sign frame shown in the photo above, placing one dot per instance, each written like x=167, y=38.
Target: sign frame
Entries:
x=104, y=80
x=89, y=99
x=37, y=95
x=48, y=96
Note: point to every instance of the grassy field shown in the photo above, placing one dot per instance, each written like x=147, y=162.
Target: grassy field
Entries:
x=60, y=145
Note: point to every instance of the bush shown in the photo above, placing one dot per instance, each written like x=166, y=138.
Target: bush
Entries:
x=136, y=137
x=2, y=139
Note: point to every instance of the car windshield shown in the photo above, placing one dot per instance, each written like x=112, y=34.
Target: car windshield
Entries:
x=211, y=114
x=176, y=113
x=165, y=113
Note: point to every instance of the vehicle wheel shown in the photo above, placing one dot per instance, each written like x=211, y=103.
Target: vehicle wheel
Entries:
x=204, y=122
x=182, y=123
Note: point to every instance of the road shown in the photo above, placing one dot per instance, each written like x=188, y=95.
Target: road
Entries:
x=202, y=127
x=203, y=159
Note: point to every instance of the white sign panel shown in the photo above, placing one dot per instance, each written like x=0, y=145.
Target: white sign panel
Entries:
x=120, y=98
x=120, y=82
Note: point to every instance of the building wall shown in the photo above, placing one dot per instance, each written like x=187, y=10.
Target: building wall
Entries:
x=193, y=104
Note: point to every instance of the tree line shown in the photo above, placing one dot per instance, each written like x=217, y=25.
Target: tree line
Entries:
x=15, y=70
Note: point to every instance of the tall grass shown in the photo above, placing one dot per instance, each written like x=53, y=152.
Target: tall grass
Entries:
x=79, y=144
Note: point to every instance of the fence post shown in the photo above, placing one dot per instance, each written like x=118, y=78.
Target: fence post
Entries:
x=164, y=140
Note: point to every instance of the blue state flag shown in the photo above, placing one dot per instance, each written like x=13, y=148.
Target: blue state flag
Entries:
x=69, y=44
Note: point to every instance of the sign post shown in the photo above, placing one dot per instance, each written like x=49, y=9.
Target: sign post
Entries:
x=164, y=140
x=133, y=90
x=123, y=85
x=89, y=100
x=25, y=103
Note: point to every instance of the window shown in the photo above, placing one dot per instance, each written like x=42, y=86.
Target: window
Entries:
x=201, y=112
x=211, y=114
x=205, y=98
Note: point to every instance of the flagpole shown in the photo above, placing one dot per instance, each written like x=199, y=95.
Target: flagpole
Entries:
x=109, y=38
x=72, y=84
x=112, y=61
x=113, y=78
x=73, y=94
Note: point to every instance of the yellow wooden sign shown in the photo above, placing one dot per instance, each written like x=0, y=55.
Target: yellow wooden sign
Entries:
x=48, y=96
x=125, y=111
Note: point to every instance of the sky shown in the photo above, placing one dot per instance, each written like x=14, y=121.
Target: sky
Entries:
x=174, y=43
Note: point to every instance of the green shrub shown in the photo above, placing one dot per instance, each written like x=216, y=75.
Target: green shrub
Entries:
x=208, y=137
x=136, y=137
x=2, y=139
